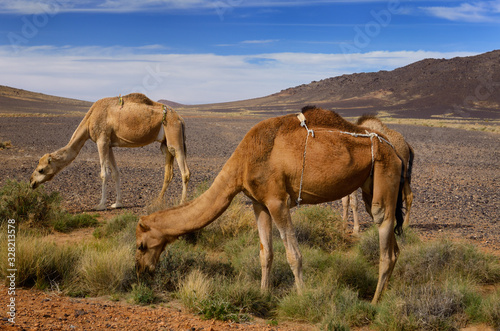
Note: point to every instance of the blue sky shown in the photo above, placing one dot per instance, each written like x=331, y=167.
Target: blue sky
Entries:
x=203, y=51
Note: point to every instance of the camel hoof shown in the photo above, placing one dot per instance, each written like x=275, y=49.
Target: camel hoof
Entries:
x=117, y=205
x=100, y=207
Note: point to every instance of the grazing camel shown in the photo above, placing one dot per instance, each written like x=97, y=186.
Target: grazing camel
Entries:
x=404, y=150
x=271, y=167
x=130, y=121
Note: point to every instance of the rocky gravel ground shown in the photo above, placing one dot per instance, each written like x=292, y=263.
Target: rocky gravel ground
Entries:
x=456, y=185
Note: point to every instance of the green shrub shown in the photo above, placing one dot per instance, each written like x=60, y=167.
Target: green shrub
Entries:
x=142, y=294
x=36, y=207
x=67, y=222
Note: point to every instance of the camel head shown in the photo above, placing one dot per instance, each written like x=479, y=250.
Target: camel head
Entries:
x=150, y=243
x=45, y=171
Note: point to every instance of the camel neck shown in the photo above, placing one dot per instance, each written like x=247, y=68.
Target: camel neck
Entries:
x=69, y=152
x=201, y=211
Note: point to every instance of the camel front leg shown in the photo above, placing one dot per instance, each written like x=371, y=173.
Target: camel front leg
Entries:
x=280, y=213
x=115, y=174
x=389, y=251
x=264, y=225
x=103, y=149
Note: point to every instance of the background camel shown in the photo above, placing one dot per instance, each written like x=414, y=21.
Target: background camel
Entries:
x=268, y=166
x=404, y=150
x=131, y=121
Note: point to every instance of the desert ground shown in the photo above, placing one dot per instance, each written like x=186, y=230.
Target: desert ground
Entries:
x=456, y=185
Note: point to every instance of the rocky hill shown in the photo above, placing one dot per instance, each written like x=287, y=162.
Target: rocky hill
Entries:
x=462, y=86
x=17, y=102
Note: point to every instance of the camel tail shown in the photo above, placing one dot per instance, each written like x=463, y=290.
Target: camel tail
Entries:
x=410, y=164
x=183, y=128
x=398, y=229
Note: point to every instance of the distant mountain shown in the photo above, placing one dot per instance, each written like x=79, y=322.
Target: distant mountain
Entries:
x=19, y=102
x=462, y=86
x=170, y=103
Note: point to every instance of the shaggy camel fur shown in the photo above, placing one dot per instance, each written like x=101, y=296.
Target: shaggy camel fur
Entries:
x=268, y=166
x=405, y=152
x=131, y=121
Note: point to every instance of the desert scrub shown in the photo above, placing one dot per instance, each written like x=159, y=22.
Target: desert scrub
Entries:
x=319, y=226
x=237, y=219
x=25, y=205
x=104, y=268
x=5, y=145
x=123, y=224
x=40, y=263
x=437, y=260
x=36, y=208
x=67, y=222
x=427, y=306
x=142, y=294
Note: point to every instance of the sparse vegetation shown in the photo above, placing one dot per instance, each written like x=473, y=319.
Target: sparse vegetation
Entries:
x=39, y=209
x=217, y=275
x=5, y=145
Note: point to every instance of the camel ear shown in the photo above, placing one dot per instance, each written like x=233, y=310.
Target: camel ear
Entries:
x=143, y=226
x=49, y=159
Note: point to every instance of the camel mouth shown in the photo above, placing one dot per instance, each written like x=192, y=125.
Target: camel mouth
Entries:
x=144, y=273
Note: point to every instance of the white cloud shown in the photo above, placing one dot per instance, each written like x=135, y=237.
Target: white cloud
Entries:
x=91, y=73
x=478, y=11
x=120, y=6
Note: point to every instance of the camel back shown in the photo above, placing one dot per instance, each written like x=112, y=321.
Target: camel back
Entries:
x=327, y=118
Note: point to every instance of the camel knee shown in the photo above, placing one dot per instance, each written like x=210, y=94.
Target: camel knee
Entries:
x=378, y=213
x=186, y=176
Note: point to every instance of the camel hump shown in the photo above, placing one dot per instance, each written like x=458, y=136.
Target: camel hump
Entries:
x=367, y=117
x=138, y=98
x=327, y=118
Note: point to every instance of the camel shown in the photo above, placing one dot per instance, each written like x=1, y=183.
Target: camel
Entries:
x=404, y=150
x=271, y=167
x=130, y=121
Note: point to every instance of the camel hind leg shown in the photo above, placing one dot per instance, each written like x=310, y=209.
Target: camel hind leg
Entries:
x=176, y=146
x=169, y=170
x=384, y=201
x=408, y=201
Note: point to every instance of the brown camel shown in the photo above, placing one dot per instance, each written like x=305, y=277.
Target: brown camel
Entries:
x=130, y=121
x=270, y=168
x=404, y=150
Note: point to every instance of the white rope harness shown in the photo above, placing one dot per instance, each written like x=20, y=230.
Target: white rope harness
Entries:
x=368, y=134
